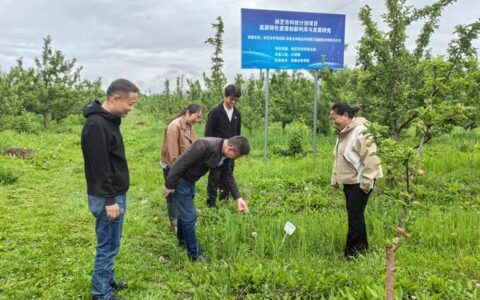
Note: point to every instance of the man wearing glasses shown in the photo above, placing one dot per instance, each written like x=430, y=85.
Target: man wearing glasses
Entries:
x=203, y=155
x=224, y=121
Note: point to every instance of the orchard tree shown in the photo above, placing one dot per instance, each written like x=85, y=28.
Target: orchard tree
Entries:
x=217, y=80
x=291, y=97
x=400, y=87
x=194, y=92
x=401, y=168
x=393, y=76
x=451, y=88
x=468, y=93
x=337, y=86
x=17, y=88
x=59, y=89
x=56, y=77
x=251, y=103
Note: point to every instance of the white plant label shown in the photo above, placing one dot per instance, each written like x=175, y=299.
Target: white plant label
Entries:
x=289, y=228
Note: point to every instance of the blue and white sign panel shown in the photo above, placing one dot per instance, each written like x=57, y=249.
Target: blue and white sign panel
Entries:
x=292, y=40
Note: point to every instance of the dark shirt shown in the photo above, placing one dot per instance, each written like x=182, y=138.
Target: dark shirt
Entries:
x=106, y=168
x=203, y=155
x=218, y=124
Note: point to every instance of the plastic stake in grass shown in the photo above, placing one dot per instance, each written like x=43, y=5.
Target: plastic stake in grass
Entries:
x=289, y=229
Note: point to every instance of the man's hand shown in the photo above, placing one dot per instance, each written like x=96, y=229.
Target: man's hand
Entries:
x=113, y=211
x=242, y=205
x=167, y=191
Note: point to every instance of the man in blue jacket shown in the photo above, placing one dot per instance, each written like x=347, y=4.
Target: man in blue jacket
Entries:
x=106, y=172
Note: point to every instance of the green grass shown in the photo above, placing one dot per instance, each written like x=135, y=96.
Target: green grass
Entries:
x=47, y=234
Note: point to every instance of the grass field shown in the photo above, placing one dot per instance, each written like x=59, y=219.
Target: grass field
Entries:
x=47, y=234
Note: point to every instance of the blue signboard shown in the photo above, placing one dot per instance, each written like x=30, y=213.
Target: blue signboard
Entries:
x=292, y=40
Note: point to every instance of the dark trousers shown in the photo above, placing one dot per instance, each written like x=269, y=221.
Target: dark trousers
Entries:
x=357, y=233
x=216, y=182
x=171, y=208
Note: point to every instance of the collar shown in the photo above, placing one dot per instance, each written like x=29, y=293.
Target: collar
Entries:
x=183, y=123
x=226, y=109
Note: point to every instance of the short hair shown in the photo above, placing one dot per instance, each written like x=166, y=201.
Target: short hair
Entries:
x=123, y=86
x=342, y=108
x=232, y=90
x=240, y=144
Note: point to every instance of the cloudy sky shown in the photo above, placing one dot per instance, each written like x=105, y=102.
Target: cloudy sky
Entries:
x=147, y=41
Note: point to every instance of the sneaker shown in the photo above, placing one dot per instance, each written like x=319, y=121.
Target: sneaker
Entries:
x=199, y=258
x=119, y=285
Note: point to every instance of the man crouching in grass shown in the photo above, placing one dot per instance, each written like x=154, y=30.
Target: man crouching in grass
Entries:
x=203, y=155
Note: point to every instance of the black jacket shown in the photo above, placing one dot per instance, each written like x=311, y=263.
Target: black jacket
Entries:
x=106, y=168
x=218, y=124
x=201, y=156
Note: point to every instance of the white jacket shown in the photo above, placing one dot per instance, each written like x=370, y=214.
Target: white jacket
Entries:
x=354, y=157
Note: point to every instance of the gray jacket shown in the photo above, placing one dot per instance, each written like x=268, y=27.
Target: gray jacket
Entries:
x=203, y=155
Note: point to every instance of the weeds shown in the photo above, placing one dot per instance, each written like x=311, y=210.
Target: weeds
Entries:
x=47, y=233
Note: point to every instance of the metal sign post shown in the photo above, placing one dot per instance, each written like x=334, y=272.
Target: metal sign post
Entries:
x=265, y=138
x=315, y=112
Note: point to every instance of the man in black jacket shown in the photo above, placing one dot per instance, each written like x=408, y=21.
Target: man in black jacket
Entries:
x=106, y=171
x=224, y=121
x=203, y=155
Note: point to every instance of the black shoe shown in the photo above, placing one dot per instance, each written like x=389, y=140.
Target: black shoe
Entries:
x=111, y=298
x=119, y=285
x=199, y=258
x=211, y=204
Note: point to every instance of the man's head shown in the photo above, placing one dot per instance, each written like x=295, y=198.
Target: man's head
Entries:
x=235, y=147
x=121, y=96
x=231, y=95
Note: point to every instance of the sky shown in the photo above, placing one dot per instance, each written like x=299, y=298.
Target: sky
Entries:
x=147, y=41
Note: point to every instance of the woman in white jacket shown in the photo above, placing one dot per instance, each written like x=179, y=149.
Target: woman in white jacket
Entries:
x=356, y=167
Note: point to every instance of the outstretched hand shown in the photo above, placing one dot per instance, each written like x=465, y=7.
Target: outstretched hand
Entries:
x=242, y=205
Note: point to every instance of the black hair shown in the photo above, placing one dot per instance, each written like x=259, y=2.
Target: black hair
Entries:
x=342, y=108
x=240, y=144
x=191, y=108
x=123, y=86
x=232, y=90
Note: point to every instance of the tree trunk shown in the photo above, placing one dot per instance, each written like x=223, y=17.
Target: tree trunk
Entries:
x=420, y=145
x=46, y=121
x=390, y=273
x=390, y=268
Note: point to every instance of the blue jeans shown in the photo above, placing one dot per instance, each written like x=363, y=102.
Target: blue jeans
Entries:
x=187, y=217
x=109, y=234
